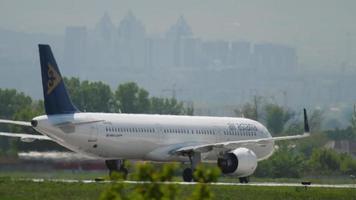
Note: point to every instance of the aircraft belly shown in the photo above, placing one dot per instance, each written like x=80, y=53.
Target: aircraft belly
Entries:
x=126, y=147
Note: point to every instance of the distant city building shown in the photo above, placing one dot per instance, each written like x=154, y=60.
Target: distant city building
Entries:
x=216, y=52
x=240, y=54
x=105, y=30
x=159, y=53
x=176, y=33
x=101, y=44
x=191, y=52
x=131, y=38
x=273, y=58
x=75, y=46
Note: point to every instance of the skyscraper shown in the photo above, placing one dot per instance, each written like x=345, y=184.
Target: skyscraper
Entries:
x=130, y=42
x=75, y=49
x=176, y=34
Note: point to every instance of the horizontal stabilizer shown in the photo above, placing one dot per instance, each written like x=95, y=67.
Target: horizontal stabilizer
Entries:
x=26, y=137
x=21, y=123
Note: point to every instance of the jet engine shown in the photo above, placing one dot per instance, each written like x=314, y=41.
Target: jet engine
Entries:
x=241, y=161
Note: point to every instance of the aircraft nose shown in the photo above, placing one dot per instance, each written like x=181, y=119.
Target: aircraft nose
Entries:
x=34, y=123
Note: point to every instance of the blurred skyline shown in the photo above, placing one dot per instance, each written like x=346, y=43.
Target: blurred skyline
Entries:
x=293, y=53
x=323, y=31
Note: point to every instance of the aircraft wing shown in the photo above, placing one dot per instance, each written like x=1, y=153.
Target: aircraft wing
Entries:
x=21, y=123
x=235, y=144
x=240, y=143
x=26, y=137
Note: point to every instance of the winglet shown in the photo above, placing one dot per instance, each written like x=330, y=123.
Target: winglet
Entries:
x=306, y=123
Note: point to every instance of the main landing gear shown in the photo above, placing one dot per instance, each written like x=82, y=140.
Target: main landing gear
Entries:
x=244, y=179
x=195, y=159
x=116, y=166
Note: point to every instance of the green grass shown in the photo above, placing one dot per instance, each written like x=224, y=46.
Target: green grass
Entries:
x=16, y=190
x=59, y=174
x=11, y=189
x=91, y=175
x=317, y=180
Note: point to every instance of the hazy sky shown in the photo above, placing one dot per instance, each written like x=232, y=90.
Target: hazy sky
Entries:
x=324, y=31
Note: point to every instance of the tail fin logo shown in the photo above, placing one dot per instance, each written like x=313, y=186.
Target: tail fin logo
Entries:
x=53, y=79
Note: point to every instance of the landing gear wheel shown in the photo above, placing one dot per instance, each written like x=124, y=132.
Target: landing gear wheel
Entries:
x=244, y=179
x=116, y=166
x=123, y=171
x=187, y=175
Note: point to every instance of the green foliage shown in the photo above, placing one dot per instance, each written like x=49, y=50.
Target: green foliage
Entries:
x=201, y=192
x=12, y=101
x=348, y=164
x=315, y=141
x=115, y=192
x=130, y=98
x=284, y=163
x=165, y=106
x=353, y=121
x=12, y=189
x=248, y=111
x=30, y=111
x=341, y=134
x=325, y=160
x=13, y=105
x=276, y=117
x=155, y=175
x=153, y=186
x=90, y=96
x=315, y=120
x=204, y=174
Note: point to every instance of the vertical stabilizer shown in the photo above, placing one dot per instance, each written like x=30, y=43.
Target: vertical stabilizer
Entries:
x=56, y=98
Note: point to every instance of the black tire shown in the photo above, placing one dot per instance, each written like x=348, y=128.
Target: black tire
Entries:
x=244, y=179
x=187, y=175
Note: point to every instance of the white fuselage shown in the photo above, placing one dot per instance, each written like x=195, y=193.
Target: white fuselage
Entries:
x=149, y=137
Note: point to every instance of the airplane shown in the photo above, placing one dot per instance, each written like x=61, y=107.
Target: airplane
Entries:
x=235, y=144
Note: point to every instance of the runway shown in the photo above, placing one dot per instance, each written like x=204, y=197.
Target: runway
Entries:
x=261, y=184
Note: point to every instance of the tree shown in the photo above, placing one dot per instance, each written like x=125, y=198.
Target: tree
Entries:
x=153, y=187
x=169, y=106
x=285, y=162
x=276, y=118
x=130, y=98
x=316, y=119
x=353, y=122
x=12, y=101
x=324, y=160
x=90, y=96
x=249, y=110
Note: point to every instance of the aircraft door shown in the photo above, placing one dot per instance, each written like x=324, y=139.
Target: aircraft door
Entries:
x=93, y=133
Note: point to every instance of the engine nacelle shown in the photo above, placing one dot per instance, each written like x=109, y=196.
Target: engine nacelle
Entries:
x=241, y=161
